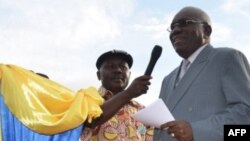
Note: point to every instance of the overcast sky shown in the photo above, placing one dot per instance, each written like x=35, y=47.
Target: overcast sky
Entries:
x=63, y=38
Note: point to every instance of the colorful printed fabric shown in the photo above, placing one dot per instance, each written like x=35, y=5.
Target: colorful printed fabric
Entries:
x=42, y=105
x=121, y=127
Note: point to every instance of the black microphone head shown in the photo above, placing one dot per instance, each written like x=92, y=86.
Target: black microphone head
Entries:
x=156, y=52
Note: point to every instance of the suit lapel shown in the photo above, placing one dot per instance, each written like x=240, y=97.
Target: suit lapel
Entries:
x=167, y=90
x=175, y=77
x=192, y=73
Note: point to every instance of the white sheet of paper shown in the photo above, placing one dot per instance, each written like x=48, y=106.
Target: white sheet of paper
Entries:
x=155, y=114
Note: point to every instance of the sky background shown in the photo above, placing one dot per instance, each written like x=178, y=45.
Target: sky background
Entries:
x=63, y=38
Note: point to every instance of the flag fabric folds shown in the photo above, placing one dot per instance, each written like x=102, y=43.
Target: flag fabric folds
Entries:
x=39, y=108
x=14, y=130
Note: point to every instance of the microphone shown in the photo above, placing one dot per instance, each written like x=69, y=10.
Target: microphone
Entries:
x=156, y=53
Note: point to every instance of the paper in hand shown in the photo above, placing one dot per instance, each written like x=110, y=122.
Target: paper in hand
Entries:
x=155, y=114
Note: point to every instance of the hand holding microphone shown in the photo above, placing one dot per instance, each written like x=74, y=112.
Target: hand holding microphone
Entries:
x=140, y=84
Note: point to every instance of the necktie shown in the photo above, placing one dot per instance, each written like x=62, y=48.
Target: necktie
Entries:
x=184, y=67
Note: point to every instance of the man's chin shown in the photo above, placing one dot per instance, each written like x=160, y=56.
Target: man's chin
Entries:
x=180, y=50
x=118, y=85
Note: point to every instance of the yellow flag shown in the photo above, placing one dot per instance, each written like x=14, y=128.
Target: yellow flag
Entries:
x=44, y=105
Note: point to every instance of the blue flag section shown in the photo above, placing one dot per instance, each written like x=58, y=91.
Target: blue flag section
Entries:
x=35, y=108
x=14, y=130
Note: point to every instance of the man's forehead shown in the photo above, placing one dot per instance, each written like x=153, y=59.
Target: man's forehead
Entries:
x=185, y=15
x=192, y=13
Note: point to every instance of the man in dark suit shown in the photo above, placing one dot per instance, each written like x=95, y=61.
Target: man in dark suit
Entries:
x=211, y=87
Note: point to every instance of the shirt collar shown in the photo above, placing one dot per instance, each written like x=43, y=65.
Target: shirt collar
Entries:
x=106, y=94
x=192, y=57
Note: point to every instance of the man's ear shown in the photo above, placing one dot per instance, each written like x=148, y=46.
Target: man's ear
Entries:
x=129, y=74
x=98, y=75
x=207, y=30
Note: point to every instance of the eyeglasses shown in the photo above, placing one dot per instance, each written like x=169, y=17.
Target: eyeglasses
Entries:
x=183, y=23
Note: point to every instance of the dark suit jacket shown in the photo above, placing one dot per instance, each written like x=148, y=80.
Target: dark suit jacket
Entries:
x=214, y=91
